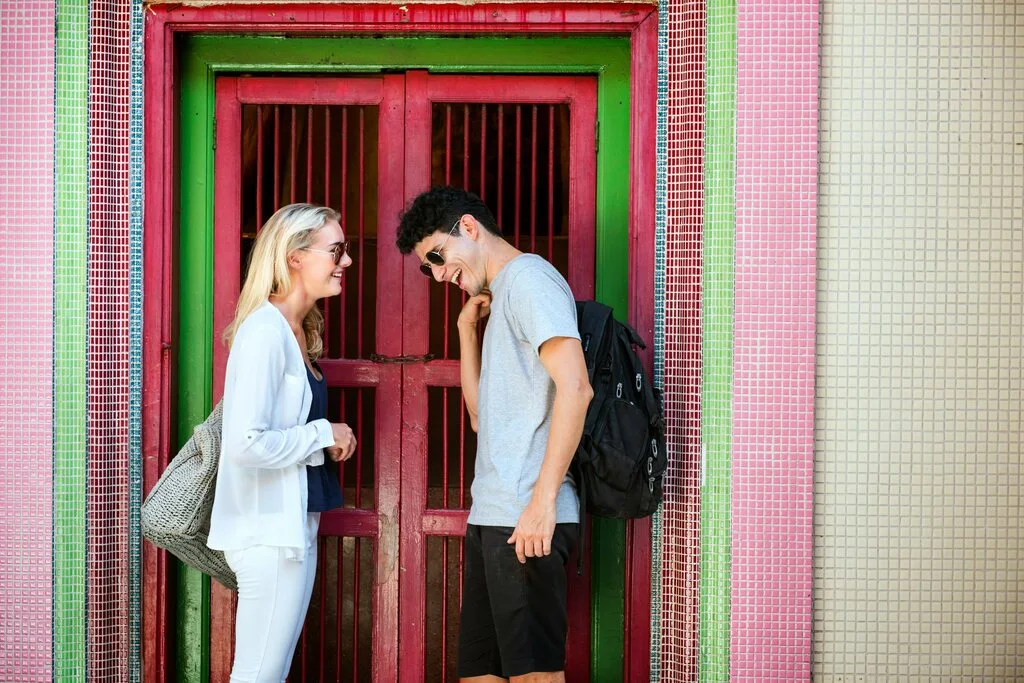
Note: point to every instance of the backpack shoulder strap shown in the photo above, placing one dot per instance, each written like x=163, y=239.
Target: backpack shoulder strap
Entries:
x=592, y=320
x=634, y=336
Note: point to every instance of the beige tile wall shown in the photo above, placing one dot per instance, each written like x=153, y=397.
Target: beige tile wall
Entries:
x=918, y=543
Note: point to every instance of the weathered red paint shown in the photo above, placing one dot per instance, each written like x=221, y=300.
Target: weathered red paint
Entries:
x=566, y=17
x=415, y=333
x=158, y=326
x=643, y=128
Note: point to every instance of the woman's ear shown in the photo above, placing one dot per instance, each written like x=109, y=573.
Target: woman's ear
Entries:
x=294, y=260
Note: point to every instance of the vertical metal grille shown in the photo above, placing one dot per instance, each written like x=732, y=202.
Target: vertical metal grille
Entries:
x=451, y=451
x=357, y=407
x=335, y=644
x=444, y=582
x=324, y=155
x=515, y=157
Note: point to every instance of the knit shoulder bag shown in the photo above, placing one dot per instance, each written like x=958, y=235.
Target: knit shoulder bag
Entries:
x=176, y=513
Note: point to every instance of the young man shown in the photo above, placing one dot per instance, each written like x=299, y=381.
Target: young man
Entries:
x=527, y=394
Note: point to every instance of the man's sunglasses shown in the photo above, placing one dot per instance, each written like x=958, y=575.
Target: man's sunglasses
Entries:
x=434, y=256
x=337, y=252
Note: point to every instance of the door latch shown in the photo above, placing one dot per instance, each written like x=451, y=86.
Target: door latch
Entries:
x=405, y=360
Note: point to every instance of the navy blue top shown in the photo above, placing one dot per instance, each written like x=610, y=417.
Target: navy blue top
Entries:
x=324, y=489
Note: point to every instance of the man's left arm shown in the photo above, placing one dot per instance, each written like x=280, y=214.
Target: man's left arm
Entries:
x=563, y=359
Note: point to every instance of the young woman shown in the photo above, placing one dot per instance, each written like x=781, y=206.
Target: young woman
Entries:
x=272, y=481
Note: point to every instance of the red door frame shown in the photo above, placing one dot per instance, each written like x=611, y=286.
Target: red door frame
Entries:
x=388, y=92
x=418, y=521
x=164, y=23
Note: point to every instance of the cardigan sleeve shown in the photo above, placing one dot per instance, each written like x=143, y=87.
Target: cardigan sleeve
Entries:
x=256, y=369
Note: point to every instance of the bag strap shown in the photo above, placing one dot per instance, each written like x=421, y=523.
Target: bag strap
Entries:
x=582, y=549
x=592, y=321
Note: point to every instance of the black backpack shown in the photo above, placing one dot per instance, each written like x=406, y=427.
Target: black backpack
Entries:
x=621, y=459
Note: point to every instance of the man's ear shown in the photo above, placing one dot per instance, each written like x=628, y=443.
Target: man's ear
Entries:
x=469, y=227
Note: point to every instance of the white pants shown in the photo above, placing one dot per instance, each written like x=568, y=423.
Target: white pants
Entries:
x=273, y=595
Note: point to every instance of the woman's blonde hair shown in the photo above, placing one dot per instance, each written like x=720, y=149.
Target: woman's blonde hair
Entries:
x=291, y=227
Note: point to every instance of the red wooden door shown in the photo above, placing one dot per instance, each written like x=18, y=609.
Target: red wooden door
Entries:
x=526, y=146
x=388, y=588
x=334, y=141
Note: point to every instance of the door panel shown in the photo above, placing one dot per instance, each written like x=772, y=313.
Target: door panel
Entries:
x=281, y=140
x=526, y=146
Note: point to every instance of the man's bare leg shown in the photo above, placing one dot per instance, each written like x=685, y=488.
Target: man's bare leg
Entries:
x=543, y=677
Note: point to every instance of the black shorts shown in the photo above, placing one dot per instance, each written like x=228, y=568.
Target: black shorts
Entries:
x=514, y=616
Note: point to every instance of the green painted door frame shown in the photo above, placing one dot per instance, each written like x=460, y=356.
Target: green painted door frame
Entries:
x=204, y=57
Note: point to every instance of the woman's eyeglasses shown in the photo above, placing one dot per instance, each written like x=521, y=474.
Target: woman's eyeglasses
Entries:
x=337, y=252
x=434, y=256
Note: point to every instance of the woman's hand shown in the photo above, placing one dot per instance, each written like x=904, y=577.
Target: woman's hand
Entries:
x=476, y=309
x=344, y=442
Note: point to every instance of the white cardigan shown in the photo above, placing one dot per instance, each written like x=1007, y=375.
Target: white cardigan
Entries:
x=266, y=444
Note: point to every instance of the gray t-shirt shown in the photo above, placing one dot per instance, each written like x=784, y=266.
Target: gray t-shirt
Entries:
x=531, y=303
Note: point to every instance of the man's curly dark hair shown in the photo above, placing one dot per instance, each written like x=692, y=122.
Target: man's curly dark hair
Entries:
x=437, y=209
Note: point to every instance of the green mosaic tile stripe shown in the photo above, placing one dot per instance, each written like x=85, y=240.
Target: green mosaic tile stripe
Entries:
x=717, y=321
x=70, y=268
x=135, y=207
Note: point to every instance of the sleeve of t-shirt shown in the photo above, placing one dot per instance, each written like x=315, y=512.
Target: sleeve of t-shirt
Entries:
x=542, y=307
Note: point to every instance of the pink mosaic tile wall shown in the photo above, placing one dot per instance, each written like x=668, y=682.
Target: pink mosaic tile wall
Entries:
x=773, y=391
x=26, y=331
